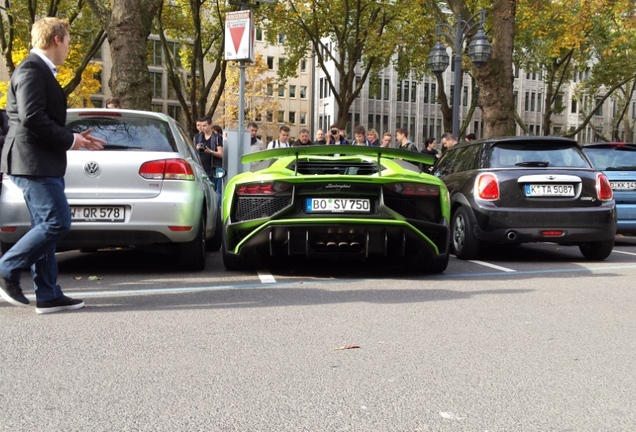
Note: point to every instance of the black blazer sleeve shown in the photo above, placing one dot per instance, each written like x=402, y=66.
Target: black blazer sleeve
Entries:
x=38, y=139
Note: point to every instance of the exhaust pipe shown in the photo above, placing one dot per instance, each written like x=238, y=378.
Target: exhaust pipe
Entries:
x=511, y=235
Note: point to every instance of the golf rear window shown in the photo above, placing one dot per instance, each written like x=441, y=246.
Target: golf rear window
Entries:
x=122, y=133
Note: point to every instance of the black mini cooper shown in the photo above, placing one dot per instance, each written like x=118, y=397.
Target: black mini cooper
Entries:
x=514, y=190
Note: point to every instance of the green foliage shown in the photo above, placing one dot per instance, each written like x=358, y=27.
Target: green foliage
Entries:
x=78, y=75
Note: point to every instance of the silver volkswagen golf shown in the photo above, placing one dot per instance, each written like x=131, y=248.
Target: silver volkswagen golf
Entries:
x=146, y=189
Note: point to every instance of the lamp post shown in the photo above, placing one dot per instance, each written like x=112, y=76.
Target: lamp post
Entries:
x=479, y=51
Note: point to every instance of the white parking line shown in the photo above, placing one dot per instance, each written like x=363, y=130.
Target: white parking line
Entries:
x=266, y=277
x=496, y=267
x=623, y=252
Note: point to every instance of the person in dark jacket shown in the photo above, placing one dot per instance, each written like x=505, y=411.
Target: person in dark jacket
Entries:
x=34, y=158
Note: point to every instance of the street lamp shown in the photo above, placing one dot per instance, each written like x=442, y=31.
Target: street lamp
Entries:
x=479, y=51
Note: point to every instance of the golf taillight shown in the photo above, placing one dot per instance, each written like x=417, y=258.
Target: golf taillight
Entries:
x=487, y=187
x=413, y=189
x=603, y=188
x=266, y=188
x=167, y=169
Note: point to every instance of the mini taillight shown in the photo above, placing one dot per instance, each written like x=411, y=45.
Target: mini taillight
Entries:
x=413, y=189
x=267, y=188
x=487, y=187
x=167, y=169
x=603, y=187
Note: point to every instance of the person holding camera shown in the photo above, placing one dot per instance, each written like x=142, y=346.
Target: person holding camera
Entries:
x=336, y=136
x=204, y=142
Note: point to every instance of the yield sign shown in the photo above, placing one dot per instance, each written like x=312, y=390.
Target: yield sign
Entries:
x=239, y=36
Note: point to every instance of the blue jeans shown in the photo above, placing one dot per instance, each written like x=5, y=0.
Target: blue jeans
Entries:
x=50, y=221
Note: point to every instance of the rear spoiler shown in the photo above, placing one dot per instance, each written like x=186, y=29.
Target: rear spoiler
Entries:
x=341, y=150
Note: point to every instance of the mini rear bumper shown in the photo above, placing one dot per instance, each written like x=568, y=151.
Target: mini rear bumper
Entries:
x=543, y=225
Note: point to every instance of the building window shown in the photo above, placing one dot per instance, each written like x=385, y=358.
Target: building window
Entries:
x=465, y=96
x=413, y=91
x=292, y=91
x=292, y=117
x=270, y=116
x=281, y=62
x=281, y=38
x=270, y=90
x=385, y=89
x=320, y=93
x=452, y=94
x=426, y=93
x=406, y=91
x=527, y=102
x=573, y=108
x=156, y=84
x=303, y=92
x=303, y=65
x=281, y=116
x=270, y=63
x=157, y=58
x=399, y=91
x=374, y=88
x=532, y=101
x=434, y=94
x=303, y=118
x=259, y=34
x=599, y=110
x=281, y=91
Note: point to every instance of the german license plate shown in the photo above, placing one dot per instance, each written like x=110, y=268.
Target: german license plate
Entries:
x=549, y=190
x=338, y=205
x=97, y=214
x=623, y=185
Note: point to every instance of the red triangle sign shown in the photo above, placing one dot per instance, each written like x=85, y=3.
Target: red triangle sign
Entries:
x=237, y=36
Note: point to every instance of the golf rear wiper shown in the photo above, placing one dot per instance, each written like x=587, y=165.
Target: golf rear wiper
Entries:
x=108, y=146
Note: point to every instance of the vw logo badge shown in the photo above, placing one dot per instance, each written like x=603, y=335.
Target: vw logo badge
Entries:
x=91, y=169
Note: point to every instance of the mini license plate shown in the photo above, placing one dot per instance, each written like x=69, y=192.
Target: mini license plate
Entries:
x=554, y=190
x=623, y=185
x=97, y=214
x=338, y=205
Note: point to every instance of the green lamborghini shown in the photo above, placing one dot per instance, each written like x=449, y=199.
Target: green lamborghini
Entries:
x=336, y=203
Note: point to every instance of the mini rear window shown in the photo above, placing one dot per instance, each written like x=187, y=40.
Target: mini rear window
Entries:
x=129, y=133
x=510, y=155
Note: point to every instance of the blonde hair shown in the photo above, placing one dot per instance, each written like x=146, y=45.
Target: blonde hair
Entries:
x=44, y=30
x=374, y=133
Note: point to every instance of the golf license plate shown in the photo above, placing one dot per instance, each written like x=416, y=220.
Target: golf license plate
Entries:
x=338, y=205
x=549, y=190
x=97, y=214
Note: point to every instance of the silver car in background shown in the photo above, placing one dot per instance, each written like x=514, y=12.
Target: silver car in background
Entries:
x=146, y=189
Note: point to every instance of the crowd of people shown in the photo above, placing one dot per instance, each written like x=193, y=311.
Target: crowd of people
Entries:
x=362, y=137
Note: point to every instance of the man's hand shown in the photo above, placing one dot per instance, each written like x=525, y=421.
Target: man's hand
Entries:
x=87, y=141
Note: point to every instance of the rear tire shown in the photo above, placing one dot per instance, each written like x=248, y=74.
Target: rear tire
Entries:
x=465, y=244
x=215, y=242
x=192, y=254
x=597, y=251
x=4, y=247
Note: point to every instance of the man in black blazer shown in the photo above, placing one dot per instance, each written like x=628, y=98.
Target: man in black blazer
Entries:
x=34, y=156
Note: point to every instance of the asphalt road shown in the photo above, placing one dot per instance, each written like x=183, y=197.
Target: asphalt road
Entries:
x=531, y=338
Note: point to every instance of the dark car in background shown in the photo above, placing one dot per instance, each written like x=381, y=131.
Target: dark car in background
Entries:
x=514, y=190
x=618, y=161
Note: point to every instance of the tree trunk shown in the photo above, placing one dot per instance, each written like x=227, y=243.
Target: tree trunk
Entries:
x=496, y=77
x=128, y=26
